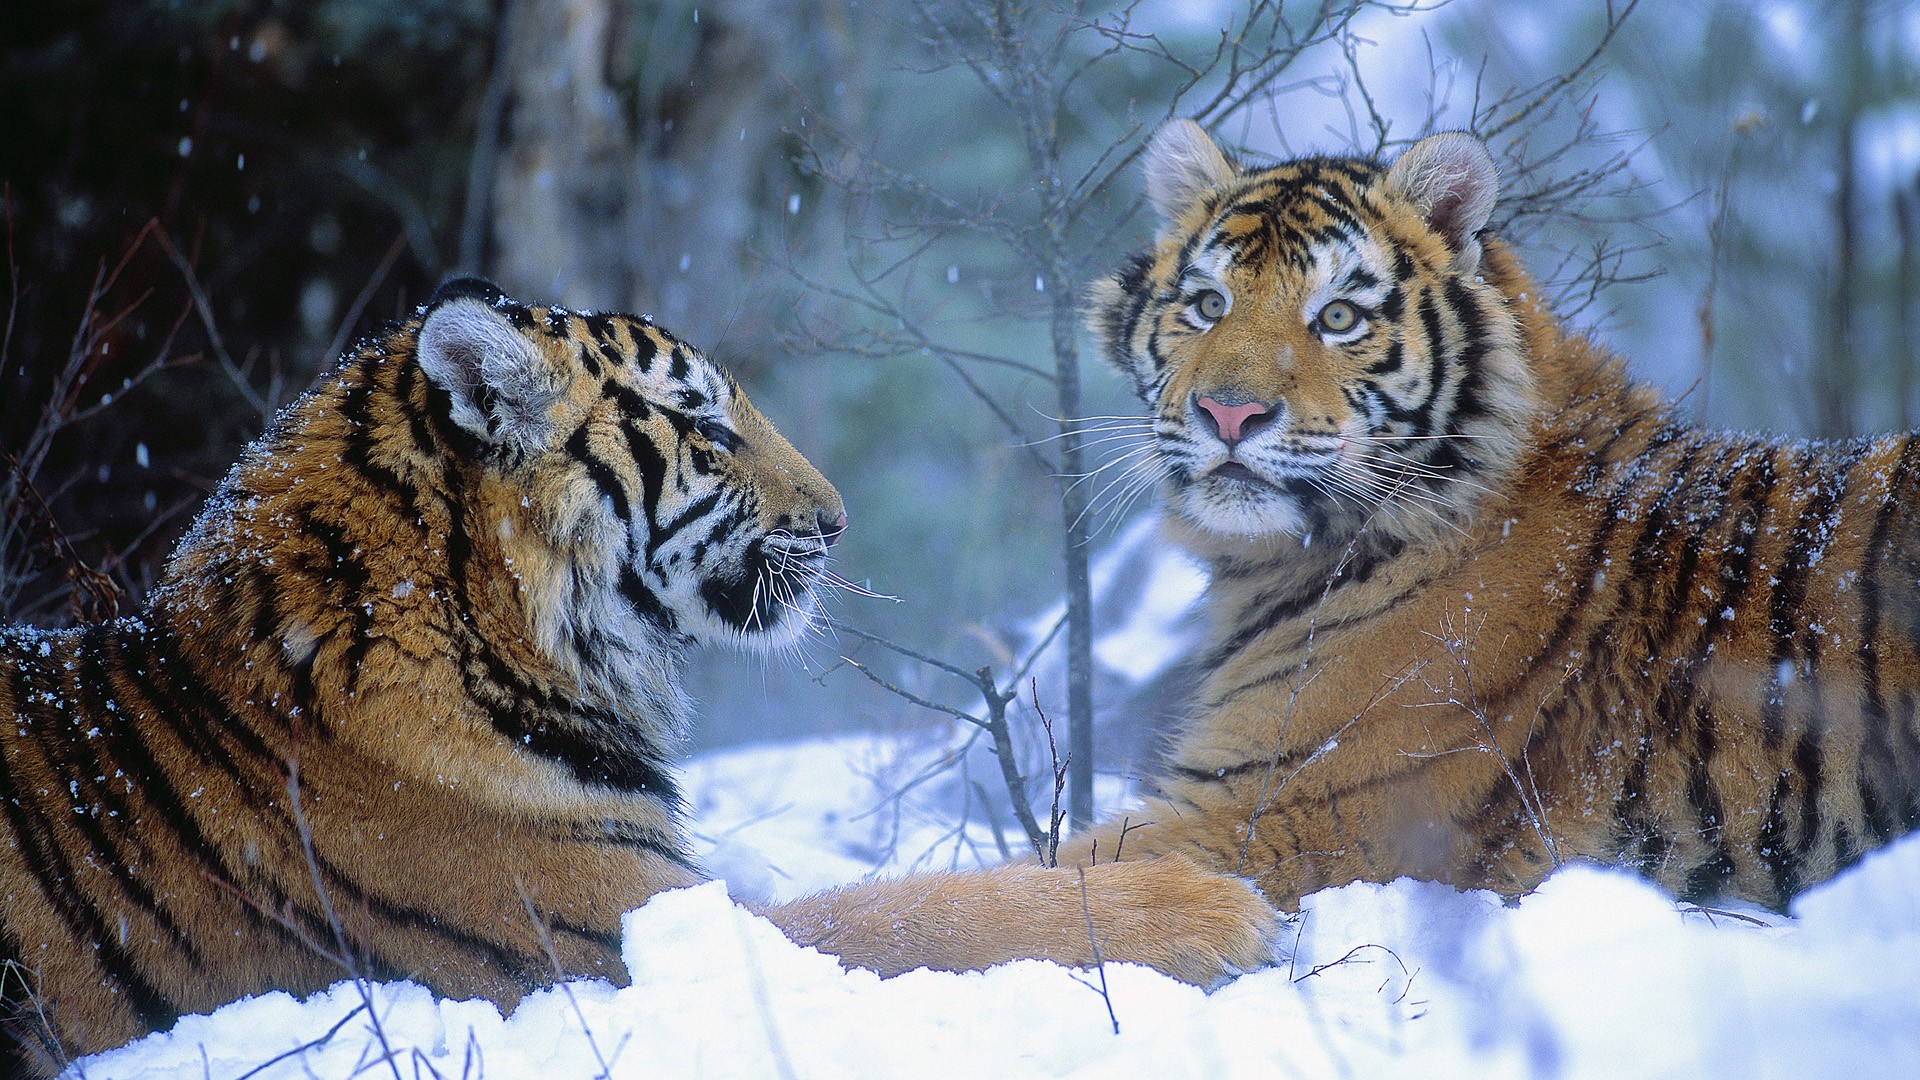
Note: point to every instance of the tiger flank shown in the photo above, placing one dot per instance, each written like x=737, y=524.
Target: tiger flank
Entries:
x=1480, y=603
x=407, y=692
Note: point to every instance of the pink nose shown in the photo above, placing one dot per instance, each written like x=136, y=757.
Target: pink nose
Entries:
x=1230, y=421
x=831, y=528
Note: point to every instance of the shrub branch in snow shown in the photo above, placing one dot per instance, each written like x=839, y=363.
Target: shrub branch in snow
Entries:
x=1045, y=841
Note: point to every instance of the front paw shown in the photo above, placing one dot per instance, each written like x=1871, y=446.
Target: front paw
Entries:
x=1176, y=915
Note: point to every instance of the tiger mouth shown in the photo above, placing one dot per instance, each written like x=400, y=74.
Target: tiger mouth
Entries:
x=1237, y=476
x=1292, y=468
x=787, y=553
x=774, y=594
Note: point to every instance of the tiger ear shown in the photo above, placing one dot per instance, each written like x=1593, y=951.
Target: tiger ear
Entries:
x=502, y=389
x=1181, y=164
x=1453, y=182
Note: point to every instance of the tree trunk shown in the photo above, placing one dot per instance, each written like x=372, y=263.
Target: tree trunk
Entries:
x=604, y=197
x=1906, y=347
x=1839, y=387
x=1073, y=515
x=560, y=192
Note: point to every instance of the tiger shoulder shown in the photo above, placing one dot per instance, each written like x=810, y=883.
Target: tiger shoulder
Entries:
x=407, y=693
x=1482, y=604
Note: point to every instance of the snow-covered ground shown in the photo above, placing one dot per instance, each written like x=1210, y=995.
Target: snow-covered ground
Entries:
x=1596, y=975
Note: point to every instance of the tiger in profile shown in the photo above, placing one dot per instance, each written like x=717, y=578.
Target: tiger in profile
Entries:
x=407, y=690
x=1480, y=603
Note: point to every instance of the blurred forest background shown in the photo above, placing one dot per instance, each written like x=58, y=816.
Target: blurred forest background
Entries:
x=880, y=215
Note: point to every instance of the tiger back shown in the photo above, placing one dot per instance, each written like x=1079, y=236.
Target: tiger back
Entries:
x=404, y=701
x=1481, y=604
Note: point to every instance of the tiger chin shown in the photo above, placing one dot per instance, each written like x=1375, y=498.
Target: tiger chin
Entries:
x=407, y=692
x=1481, y=604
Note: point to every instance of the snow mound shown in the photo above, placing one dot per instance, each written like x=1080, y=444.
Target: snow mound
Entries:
x=1597, y=975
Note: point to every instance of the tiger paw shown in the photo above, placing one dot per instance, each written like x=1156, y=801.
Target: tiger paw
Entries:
x=1173, y=914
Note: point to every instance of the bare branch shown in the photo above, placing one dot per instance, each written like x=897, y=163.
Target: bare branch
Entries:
x=204, y=307
x=359, y=305
x=1093, y=943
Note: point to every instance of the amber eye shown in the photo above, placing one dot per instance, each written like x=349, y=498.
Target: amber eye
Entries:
x=1210, y=305
x=1338, y=317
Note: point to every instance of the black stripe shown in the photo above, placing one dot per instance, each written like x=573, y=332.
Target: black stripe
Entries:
x=350, y=572
x=1467, y=401
x=451, y=438
x=650, y=464
x=144, y=775
x=645, y=602
x=1671, y=517
x=627, y=398
x=645, y=349
x=1877, y=752
x=595, y=748
x=1774, y=848
x=628, y=835
x=1637, y=841
x=1226, y=773
x=358, y=408
x=1436, y=361
x=1807, y=764
x=1390, y=362
x=183, y=705
x=1393, y=305
x=1276, y=608
x=1611, y=517
x=1845, y=851
x=525, y=969
x=198, y=716
x=601, y=473
x=1785, y=617
x=694, y=512
x=56, y=878
x=1706, y=879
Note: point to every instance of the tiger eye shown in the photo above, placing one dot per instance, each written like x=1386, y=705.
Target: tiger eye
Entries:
x=1211, y=305
x=1338, y=317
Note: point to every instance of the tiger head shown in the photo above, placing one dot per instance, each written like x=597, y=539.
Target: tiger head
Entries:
x=1317, y=348
x=656, y=491
x=521, y=515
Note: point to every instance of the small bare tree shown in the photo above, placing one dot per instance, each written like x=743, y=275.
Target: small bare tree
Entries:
x=1063, y=86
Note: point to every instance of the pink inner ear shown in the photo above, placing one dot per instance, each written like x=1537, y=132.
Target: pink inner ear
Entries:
x=1445, y=218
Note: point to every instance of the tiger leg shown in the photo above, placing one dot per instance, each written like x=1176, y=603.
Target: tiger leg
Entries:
x=1169, y=913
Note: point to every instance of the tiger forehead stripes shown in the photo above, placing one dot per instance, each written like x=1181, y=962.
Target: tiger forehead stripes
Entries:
x=1480, y=603
x=417, y=667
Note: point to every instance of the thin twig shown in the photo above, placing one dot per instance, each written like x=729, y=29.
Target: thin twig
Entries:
x=305, y=1046
x=359, y=305
x=1099, y=962
x=545, y=934
x=345, y=955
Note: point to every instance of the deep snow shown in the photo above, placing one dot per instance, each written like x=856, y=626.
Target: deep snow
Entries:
x=1596, y=975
